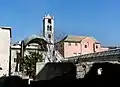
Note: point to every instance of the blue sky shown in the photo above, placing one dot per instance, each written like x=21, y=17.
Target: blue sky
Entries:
x=97, y=18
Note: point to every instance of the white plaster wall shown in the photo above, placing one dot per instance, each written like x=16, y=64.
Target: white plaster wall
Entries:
x=39, y=67
x=4, y=51
x=46, y=32
x=13, y=64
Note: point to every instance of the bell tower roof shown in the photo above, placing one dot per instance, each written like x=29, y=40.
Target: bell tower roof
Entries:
x=48, y=17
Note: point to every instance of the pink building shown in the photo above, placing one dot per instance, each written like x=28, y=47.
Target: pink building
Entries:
x=78, y=45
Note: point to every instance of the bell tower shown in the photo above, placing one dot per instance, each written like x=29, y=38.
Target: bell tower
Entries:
x=48, y=33
x=48, y=28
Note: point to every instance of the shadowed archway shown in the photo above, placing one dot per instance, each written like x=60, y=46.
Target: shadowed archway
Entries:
x=41, y=41
x=35, y=39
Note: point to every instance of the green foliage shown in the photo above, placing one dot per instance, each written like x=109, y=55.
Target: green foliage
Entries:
x=29, y=63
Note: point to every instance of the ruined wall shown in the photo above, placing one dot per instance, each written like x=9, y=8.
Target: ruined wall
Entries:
x=82, y=69
x=86, y=68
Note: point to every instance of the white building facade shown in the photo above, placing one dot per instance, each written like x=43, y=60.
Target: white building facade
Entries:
x=5, y=38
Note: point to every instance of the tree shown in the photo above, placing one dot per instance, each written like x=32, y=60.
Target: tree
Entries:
x=59, y=36
x=29, y=63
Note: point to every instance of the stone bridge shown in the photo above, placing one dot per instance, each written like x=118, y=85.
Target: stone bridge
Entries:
x=85, y=62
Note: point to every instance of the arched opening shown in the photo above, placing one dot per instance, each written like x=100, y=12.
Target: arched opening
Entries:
x=0, y=68
x=41, y=41
x=25, y=44
x=50, y=28
x=49, y=36
x=99, y=71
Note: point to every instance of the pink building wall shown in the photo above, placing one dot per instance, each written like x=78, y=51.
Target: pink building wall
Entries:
x=89, y=43
x=72, y=50
x=75, y=48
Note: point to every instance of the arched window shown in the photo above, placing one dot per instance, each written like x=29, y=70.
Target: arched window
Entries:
x=99, y=71
x=50, y=28
x=85, y=46
x=96, y=46
x=49, y=36
x=0, y=68
x=49, y=21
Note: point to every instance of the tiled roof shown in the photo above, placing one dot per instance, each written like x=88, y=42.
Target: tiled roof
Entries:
x=77, y=38
x=74, y=38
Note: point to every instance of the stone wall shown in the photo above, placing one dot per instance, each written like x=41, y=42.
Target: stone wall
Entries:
x=82, y=69
x=57, y=71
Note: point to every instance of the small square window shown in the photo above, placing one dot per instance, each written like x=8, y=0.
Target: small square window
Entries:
x=69, y=44
x=76, y=44
x=75, y=53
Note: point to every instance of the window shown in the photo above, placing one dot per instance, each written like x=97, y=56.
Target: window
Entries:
x=49, y=36
x=0, y=68
x=99, y=71
x=49, y=21
x=69, y=44
x=76, y=44
x=15, y=59
x=75, y=54
x=96, y=46
x=85, y=46
x=50, y=28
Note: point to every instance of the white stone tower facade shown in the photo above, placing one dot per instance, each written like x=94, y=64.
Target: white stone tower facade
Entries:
x=48, y=33
x=48, y=28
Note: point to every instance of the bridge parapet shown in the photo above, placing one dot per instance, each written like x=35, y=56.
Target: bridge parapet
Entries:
x=113, y=55
x=85, y=62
